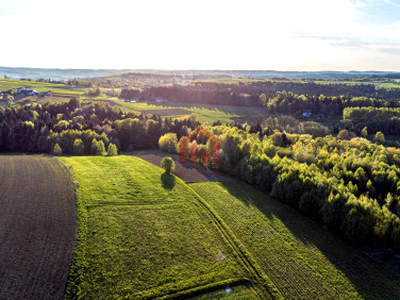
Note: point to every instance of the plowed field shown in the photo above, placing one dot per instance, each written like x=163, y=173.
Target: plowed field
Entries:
x=37, y=227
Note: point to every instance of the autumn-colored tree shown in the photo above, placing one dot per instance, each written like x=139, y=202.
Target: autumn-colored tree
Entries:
x=213, y=145
x=183, y=148
x=194, y=152
x=192, y=136
x=204, y=156
x=205, y=135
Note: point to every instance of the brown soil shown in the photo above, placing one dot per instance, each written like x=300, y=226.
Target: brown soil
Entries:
x=186, y=171
x=37, y=227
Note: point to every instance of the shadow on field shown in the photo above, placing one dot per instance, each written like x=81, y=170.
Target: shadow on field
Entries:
x=370, y=279
x=168, y=181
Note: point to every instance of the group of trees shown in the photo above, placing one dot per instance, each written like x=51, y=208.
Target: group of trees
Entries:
x=38, y=128
x=351, y=186
x=278, y=97
x=384, y=119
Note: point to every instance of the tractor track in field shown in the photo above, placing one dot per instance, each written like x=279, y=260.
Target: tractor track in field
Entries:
x=37, y=227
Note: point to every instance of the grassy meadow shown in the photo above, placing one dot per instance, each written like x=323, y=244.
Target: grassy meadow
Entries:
x=302, y=259
x=206, y=112
x=144, y=234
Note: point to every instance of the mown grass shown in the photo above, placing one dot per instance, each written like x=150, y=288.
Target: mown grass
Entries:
x=144, y=234
x=302, y=259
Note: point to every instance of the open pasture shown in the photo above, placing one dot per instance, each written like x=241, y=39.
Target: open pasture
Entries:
x=144, y=234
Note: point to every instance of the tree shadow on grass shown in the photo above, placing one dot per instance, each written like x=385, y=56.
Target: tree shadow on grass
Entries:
x=343, y=255
x=168, y=181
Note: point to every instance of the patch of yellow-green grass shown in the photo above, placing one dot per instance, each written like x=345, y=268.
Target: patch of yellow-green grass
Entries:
x=302, y=259
x=143, y=234
x=389, y=85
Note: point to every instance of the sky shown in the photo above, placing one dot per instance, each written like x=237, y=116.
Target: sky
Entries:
x=283, y=35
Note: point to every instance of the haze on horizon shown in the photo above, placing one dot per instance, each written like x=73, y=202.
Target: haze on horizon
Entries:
x=307, y=35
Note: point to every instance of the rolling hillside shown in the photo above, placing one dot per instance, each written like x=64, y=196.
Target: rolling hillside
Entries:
x=145, y=234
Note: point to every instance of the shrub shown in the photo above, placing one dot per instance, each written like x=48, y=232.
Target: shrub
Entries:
x=112, y=150
x=97, y=148
x=57, y=150
x=168, y=142
x=379, y=138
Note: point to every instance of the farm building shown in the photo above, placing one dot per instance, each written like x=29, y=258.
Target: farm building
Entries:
x=27, y=92
x=135, y=99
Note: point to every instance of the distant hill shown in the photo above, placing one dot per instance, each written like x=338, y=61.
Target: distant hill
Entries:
x=65, y=74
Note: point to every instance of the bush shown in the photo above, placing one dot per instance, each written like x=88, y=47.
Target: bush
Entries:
x=168, y=164
x=169, y=142
x=379, y=138
x=112, y=150
x=57, y=150
x=97, y=148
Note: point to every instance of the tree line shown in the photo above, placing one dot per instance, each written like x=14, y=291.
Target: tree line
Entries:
x=384, y=119
x=351, y=186
x=38, y=128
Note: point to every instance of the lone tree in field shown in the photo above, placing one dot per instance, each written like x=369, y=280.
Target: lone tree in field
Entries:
x=168, y=164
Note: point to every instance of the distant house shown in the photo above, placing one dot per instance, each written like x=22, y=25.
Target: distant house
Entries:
x=33, y=93
x=108, y=93
x=27, y=92
x=307, y=113
x=134, y=99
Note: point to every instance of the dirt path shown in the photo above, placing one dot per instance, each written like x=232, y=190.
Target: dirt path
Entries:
x=187, y=171
x=37, y=227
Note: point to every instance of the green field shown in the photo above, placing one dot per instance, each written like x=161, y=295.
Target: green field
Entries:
x=302, y=259
x=145, y=234
x=7, y=84
x=206, y=112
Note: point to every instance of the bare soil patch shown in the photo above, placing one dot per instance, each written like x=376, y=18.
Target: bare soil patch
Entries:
x=186, y=171
x=37, y=227
x=167, y=112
